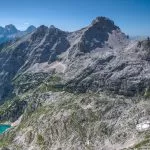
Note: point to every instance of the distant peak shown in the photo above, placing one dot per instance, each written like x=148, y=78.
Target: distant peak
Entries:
x=101, y=19
x=42, y=27
x=52, y=27
x=104, y=21
x=10, y=26
x=31, y=26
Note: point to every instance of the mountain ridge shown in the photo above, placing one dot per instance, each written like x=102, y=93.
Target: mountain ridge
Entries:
x=48, y=44
x=10, y=32
x=87, y=89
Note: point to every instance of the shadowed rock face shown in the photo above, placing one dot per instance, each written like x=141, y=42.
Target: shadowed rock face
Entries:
x=98, y=33
x=42, y=46
x=95, y=36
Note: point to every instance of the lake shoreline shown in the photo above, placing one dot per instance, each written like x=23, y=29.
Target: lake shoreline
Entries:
x=12, y=124
x=4, y=128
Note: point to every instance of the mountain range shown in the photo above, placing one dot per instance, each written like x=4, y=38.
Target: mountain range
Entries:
x=10, y=32
x=88, y=89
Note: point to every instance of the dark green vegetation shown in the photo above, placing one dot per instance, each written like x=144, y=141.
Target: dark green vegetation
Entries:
x=12, y=109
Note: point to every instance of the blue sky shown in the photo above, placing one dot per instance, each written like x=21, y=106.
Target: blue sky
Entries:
x=132, y=16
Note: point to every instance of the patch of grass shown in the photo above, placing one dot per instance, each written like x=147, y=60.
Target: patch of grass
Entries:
x=52, y=83
x=40, y=139
x=142, y=143
x=54, y=79
x=3, y=143
x=50, y=87
x=12, y=109
x=76, y=123
x=147, y=93
x=7, y=139
x=5, y=107
x=28, y=82
x=68, y=104
x=30, y=116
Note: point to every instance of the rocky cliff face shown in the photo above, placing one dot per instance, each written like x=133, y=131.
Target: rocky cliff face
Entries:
x=62, y=81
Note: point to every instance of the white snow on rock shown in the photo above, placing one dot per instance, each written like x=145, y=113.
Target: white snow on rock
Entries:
x=143, y=126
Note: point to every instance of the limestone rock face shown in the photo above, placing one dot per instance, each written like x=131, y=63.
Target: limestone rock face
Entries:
x=87, y=89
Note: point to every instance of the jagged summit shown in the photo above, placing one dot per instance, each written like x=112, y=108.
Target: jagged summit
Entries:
x=104, y=22
x=31, y=28
x=102, y=32
x=100, y=19
x=52, y=27
x=41, y=27
x=10, y=27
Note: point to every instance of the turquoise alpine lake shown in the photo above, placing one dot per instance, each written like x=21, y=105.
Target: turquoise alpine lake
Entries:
x=3, y=128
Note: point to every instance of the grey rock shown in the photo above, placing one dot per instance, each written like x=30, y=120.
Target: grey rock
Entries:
x=98, y=57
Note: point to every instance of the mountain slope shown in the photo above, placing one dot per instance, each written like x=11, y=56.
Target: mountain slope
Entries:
x=96, y=58
x=66, y=87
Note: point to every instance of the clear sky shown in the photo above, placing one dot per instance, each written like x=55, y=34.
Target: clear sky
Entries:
x=132, y=16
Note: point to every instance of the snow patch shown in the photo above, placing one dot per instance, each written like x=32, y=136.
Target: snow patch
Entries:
x=143, y=126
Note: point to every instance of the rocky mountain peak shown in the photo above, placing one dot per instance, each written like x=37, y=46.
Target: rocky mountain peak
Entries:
x=11, y=28
x=31, y=28
x=104, y=23
x=97, y=34
x=56, y=31
x=42, y=28
x=39, y=33
x=52, y=27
